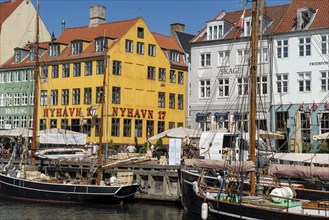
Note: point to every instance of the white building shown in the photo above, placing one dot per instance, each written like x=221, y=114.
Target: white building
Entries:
x=18, y=26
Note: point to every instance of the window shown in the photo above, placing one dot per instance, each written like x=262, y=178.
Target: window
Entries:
x=262, y=85
x=205, y=60
x=127, y=127
x=9, y=100
x=180, y=77
x=304, y=17
x=44, y=72
x=2, y=99
x=8, y=121
x=16, y=121
x=282, y=83
x=9, y=76
x=282, y=49
x=100, y=67
x=65, y=97
x=223, y=58
x=305, y=127
x=129, y=46
x=161, y=99
x=88, y=68
x=138, y=128
x=150, y=127
x=17, y=55
x=53, y=50
x=76, y=97
x=100, y=44
x=215, y=32
x=24, y=99
x=161, y=126
x=171, y=125
x=305, y=46
x=247, y=28
x=223, y=87
x=115, y=127
x=16, y=99
x=243, y=86
x=66, y=70
x=2, y=120
x=77, y=69
x=151, y=72
x=180, y=101
x=204, y=88
x=151, y=50
x=76, y=47
x=172, y=98
x=162, y=74
x=324, y=80
x=43, y=97
x=99, y=92
x=174, y=56
x=54, y=97
x=17, y=76
x=243, y=56
x=172, y=76
x=32, y=53
x=31, y=98
x=324, y=122
x=24, y=121
x=262, y=55
x=54, y=71
x=43, y=124
x=116, y=67
x=53, y=123
x=116, y=96
x=140, y=48
x=64, y=123
x=304, y=82
x=325, y=44
x=31, y=122
x=25, y=76
x=140, y=32
x=2, y=77
x=87, y=95
x=180, y=124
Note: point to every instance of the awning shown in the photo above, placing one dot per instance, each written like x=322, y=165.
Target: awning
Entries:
x=202, y=114
x=221, y=114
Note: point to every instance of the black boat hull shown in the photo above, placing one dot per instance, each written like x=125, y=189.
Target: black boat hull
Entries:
x=21, y=189
x=219, y=209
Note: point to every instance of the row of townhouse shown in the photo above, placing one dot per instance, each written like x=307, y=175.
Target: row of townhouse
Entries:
x=293, y=73
x=145, y=75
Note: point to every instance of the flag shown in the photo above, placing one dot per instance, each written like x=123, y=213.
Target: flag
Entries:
x=239, y=25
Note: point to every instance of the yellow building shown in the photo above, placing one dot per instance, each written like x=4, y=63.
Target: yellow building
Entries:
x=145, y=80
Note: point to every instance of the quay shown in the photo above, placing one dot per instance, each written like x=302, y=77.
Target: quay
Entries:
x=157, y=182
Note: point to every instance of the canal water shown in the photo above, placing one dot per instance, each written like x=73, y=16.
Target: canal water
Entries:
x=138, y=210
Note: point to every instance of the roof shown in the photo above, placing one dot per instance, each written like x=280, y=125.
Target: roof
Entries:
x=7, y=8
x=273, y=13
x=168, y=43
x=184, y=39
x=321, y=18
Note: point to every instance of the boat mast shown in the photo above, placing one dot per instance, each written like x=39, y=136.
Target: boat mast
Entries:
x=36, y=87
x=253, y=92
x=100, y=149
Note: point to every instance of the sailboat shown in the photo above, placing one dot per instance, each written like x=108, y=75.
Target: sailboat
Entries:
x=231, y=189
x=29, y=184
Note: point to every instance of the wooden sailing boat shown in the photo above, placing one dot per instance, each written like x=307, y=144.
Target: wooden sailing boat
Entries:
x=225, y=196
x=29, y=184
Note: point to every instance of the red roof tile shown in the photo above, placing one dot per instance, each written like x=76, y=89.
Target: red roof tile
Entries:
x=321, y=19
x=168, y=43
x=7, y=8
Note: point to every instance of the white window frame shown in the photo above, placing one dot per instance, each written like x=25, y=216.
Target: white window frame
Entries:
x=223, y=58
x=76, y=47
x=3, y=77
x=9, y=76
x=247, y=27
x=24, y=100
x=223, y=87
x=262, y=53
x=325, y=44
x=9, y=99
x=129, y=46
x=304, y=81
x=23, y=121
x=25, y=76
x=325, y=80
x=43, y=97
x=2, y=99
x=243, y=56
x=16, y=99
x=2, y=122
x=282, y=48
x=16, y=121
x=151, y=50
x=305, y=46
x=140, y=47
x=282, y=83
x=205, y=60
x=204, y=86
x=31, y=98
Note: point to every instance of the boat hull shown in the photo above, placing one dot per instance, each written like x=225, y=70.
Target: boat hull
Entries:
x=223, y=209
x=21, y=189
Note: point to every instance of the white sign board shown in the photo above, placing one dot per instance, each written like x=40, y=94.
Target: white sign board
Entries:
x=175, y=151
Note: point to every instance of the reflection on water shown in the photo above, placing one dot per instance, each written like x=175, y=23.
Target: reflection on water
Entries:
x=139, y=210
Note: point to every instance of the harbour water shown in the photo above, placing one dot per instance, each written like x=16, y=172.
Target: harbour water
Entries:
x=138, y=210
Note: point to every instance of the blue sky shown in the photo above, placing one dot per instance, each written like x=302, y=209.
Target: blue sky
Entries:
x=158, y=14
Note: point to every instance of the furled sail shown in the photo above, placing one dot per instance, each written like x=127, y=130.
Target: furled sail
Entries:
x=235, y=166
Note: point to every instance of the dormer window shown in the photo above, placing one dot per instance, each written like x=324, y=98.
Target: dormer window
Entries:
x=100, y=44
x=174, y=56
x=304, y=17
x=215, y=31
x=17, y=55
x=247, y=27
x=76, y=47
x=53, y=50
x=32, y=53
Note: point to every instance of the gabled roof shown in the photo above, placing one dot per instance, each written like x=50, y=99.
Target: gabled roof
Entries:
x=273, y=13
x=184, y=39
x=7, y=8
x=167, y=43
x=321, y=16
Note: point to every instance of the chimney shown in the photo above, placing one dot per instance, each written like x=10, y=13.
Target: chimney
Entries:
x=176, y=27
x=97, y=15
x=63, y=26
